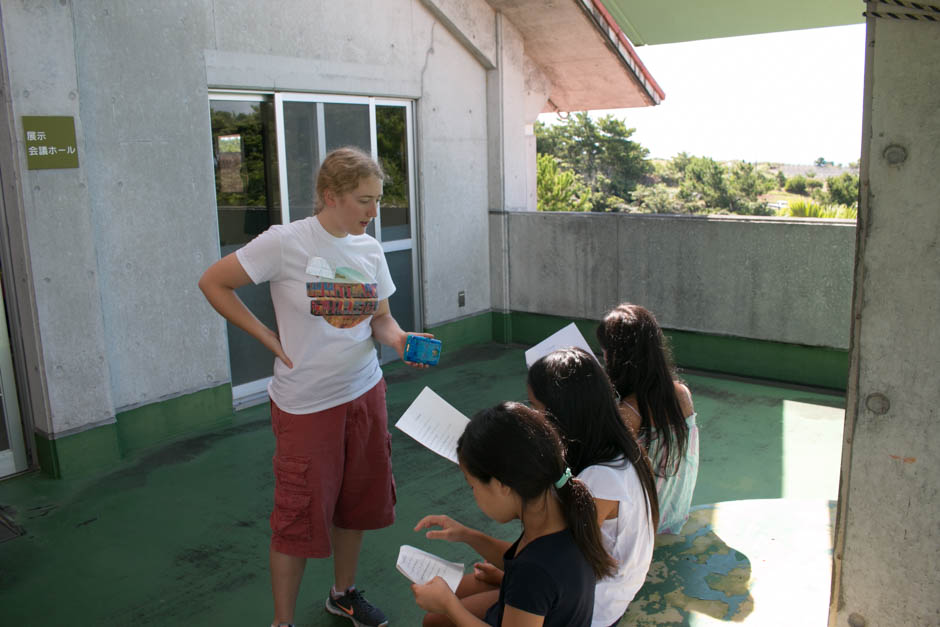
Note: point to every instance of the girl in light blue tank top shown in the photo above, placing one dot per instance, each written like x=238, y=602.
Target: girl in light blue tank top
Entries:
x=655, y=404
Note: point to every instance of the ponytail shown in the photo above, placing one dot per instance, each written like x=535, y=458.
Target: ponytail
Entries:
x=577, y=505
x=518, y=446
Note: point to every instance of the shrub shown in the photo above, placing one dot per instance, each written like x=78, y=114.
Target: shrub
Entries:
x=809, y=209
x=796, y=185
x=843, y=189
x=655, y=199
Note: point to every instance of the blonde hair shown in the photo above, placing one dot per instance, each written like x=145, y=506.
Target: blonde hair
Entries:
x=341, y=171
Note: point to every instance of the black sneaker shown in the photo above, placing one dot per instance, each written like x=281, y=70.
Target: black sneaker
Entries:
x=353, y=605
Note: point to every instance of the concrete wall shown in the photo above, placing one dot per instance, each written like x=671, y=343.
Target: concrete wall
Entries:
x=151, y=185
x=512, y=144
x=58, y=208
x=453, y=165
x=759, y=278
x=117, y=245
x=888, y=539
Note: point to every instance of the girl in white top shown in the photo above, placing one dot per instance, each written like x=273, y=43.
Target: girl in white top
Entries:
x=655, y=404
x=572, y=389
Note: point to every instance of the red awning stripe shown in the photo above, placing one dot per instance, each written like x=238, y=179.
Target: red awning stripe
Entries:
x=628, y=47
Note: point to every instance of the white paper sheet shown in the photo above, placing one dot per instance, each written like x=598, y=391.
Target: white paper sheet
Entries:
x=433, y=422
x=563, y=338
x=421, y=567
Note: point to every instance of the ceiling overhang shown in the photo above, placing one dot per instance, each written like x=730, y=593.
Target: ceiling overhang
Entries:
x=583, y=52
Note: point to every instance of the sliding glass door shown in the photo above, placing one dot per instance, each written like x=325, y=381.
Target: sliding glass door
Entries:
x=267, y=149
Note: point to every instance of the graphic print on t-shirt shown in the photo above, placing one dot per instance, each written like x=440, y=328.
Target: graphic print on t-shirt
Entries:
x=343, y=297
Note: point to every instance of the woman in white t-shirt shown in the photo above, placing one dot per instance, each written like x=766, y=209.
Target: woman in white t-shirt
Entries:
x=570, y=386
x=330, y=286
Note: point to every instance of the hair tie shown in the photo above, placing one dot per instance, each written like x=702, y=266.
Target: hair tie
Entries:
x=564, y=479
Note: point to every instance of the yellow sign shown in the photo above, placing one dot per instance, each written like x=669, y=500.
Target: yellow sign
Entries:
x=50, y=142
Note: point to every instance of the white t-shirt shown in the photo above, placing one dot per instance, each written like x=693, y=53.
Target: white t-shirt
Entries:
x=628, y=538
x=325, y=290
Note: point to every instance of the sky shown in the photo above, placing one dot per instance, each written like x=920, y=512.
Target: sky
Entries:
x=787, y=97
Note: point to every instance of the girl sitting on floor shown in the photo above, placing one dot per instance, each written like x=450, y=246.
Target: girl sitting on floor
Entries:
x=655, y=404
x=513, y=460
x=572, y=388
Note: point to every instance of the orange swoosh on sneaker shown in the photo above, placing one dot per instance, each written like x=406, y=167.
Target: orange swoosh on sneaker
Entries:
x=348, y=611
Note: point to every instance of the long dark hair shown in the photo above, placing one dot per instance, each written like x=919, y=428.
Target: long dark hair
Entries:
x=580, y=401
x=518, y=446
x=638, y=361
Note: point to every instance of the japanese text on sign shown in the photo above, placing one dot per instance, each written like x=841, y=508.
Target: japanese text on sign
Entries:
x=50, y=142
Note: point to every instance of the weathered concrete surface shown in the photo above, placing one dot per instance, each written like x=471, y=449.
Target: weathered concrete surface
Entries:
x=759, y=278
x=589, y=68
x=117, y=246
x=452, y=157
x=472, y=23
x=888, y=541
x=512, y=183
x=150, y=179
x=58, y=207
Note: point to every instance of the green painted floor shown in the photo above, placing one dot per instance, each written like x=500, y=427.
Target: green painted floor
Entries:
x=179, y=534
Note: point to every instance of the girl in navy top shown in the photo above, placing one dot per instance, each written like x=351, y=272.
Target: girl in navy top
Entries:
x=513, y=459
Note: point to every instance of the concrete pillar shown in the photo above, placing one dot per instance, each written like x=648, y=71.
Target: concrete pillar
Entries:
x=888, y=537
x=517, y=91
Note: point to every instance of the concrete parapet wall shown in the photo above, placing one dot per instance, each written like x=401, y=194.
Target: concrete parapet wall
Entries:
x=776, y=279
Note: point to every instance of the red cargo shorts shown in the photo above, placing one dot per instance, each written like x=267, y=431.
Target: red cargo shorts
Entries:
x=332, y=468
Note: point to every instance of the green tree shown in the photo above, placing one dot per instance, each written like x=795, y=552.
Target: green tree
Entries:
x=679, y=164
x=843, y=189
x=247, y=127
x=600, y=152
x=796, y=185
x=704, y=183
x=655, y=199
x=392, y=149
x=559, y=189
x=781, y=179
x=664, y=173
x=747, y=182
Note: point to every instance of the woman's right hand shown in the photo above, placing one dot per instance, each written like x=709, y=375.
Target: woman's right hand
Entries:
x=273, y=343
x=218, y=283
x=450, y=529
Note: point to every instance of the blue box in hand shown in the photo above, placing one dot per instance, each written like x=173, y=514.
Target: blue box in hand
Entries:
x=422, y=350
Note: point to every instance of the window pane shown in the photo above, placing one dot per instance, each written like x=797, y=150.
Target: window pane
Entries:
x=346, y=125
x=301, y=142
x=401, y=302
x=245, y=152
x=4, y=438
x=392, y=141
